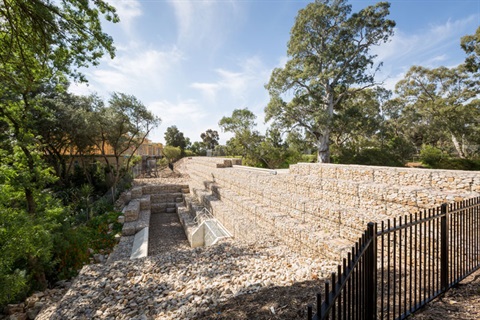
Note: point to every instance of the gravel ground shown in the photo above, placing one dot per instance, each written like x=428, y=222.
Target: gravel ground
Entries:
x=166, y=234
x=233, y=279
x=459, y=303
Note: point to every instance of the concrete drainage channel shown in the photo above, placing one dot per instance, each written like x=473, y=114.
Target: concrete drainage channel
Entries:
x=201, y=228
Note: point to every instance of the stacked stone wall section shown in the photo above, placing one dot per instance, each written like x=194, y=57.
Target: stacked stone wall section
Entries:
x=315, y=206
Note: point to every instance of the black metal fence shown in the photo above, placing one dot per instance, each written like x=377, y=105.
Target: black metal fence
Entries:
x=400, y=265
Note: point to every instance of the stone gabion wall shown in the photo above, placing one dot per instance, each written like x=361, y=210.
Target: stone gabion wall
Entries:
x=452, y=180
x=323, y=208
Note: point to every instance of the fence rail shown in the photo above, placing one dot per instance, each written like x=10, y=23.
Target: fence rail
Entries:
x=400, y=265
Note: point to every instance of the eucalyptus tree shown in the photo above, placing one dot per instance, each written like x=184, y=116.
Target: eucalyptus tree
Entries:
x=210, y=138
x=471, y=45
x=441, y=105
x=118, y=130
x=329, y=58
x=246, y=139
x=61, y=127
x=175, y=138
x=44, y=42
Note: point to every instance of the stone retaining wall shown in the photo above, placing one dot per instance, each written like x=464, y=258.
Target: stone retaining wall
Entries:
x=315, y=207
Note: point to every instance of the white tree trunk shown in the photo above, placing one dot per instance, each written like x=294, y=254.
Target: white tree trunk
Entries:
x=457, y=146
x=323, y=144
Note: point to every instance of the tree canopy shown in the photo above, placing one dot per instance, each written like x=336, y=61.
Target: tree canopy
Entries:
x=329, y=58
x=471, y=45
x=42, y=44
x=175, y=138
x=210, y=138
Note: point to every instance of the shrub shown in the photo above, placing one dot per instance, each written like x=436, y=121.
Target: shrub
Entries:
x=431, y=156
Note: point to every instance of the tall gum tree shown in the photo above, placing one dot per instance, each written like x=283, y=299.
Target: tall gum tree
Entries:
x=329, y=51
x=442, y=102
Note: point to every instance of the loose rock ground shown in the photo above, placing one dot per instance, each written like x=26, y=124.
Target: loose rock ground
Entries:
x=459, y=303
x=229, y=280
x=166, y=234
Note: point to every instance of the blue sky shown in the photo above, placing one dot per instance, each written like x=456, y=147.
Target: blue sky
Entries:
x=191, y=62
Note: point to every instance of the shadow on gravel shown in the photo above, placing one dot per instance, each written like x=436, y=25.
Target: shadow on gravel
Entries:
x=460, y=302
x=269, y=303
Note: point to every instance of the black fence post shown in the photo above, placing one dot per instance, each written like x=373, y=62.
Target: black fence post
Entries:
x=371, y=274
x=444, y=248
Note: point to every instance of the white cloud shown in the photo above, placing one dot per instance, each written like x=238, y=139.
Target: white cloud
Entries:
x=128, y=11
x=81, y=89
x=241, y=86
x=135, y=71
x=186, y=110
x=209, y=90
x=188, y=115
x=431, y=47
x=424, y=45
x=204, y=23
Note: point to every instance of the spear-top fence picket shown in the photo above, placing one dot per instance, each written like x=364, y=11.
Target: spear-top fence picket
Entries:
x=400, y=265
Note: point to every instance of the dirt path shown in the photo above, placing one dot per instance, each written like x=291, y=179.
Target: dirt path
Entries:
x=166, y=234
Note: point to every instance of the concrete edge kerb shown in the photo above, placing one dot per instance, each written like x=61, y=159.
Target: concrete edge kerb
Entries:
x=140, y=244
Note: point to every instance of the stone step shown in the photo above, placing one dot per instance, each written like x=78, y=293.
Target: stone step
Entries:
x=165, y=189
x=163, y=207
x=145, y=202
x=166, y=198
x=132, y=227
x=132, y=210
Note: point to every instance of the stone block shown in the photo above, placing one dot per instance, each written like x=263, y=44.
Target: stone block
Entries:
x=132, y=210
x=129, y=228
x=136, y=193
x=145, y=202
x=143, y=220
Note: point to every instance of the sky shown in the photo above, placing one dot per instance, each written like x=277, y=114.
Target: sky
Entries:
x=192, y=62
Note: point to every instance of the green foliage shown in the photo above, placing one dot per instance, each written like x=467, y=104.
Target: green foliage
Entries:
x=188, y=153
x=440, y=107
x=210, y=139
x=198, y=148
x=471, y=45
x=329, y=52
x=307, y=158
x=72, y=244
x=172, y=153
x=42, y=43
x=70, y=251
x=62, y=36
x=431, y=156
x=103, y=236
x=175, y=138
x=246, y=140
x=119, y=129
x=459, y=164
x=437, y=159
